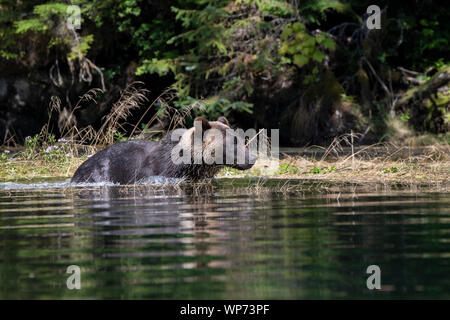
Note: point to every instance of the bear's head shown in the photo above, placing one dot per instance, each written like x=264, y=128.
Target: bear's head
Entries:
x=213, y=144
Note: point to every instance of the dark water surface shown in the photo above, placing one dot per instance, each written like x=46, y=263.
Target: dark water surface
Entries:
x=222, y=241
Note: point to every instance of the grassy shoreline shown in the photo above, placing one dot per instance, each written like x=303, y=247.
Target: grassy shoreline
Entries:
x=366, y=172
x=429, y=167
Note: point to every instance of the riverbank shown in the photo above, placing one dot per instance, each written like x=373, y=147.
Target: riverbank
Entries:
x=429, y=166
x=425, y=165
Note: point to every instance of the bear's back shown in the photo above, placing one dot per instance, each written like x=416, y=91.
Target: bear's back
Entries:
x=119, y=162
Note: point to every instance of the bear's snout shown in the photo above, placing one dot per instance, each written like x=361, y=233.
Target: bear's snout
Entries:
x=250, y=160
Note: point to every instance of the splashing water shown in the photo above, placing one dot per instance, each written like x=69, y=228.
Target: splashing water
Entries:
x=155, y=180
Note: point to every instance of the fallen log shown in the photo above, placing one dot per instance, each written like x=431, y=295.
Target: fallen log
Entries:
x=426, y=89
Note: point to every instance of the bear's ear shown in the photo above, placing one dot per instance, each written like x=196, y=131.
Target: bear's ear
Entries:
x=205, y=123
x=223, y=120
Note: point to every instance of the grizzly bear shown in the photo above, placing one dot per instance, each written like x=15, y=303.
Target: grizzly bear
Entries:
x=135, y=160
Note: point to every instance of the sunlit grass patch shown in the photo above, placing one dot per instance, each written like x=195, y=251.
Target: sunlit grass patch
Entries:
x=373, y=164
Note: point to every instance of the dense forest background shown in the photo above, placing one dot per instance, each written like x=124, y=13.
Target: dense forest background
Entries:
x=310, y=68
